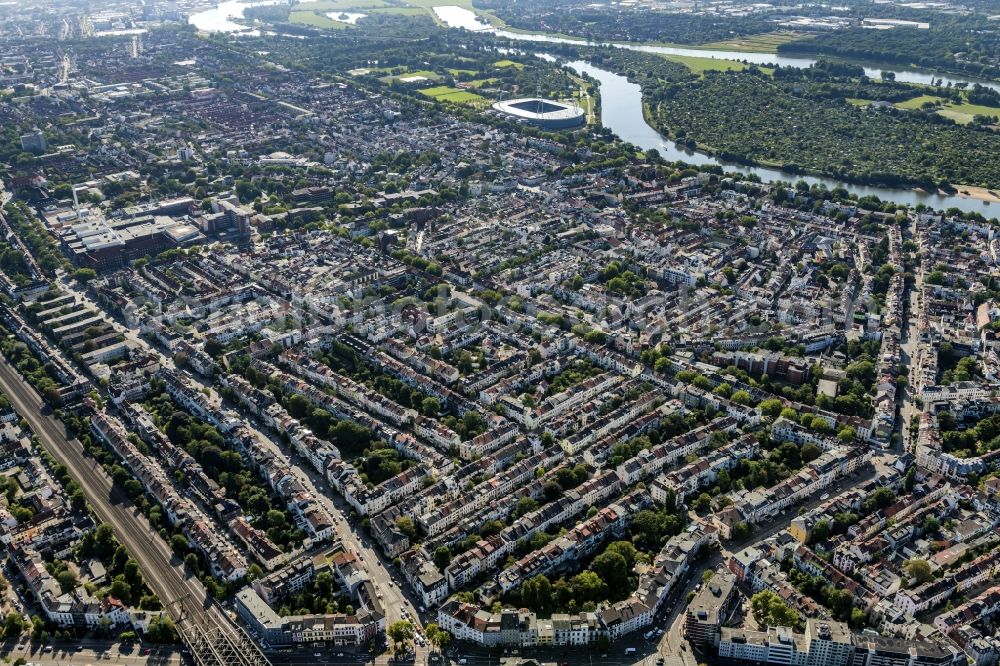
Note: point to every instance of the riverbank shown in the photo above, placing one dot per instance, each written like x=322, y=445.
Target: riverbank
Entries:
x=978, y=193
x=968, y=192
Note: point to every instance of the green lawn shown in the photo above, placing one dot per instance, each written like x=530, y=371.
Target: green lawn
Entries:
x=700, y=65
x=766, y=43
x=918, y=101
x=508, y=63
x=339, y=5
x=315, y=20
x=857, y=101
x=431, y=4
x=453, y=95
x=427, y=74
x=401, y=11
x=479, y=83
x=965, y=112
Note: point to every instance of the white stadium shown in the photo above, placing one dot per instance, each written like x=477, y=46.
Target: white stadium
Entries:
x=542, y=112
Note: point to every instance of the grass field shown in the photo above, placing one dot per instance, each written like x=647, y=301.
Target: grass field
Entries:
x=700, y=65
x=400, y=11
x=427, y=74
x=479, y=83
x=453, y=95
x=766, y=43
x=857, y=101
x=964, y=113
x=917, y=102
x=507, y=63
x=338, y=5
x=430, y=4
x=315, y=20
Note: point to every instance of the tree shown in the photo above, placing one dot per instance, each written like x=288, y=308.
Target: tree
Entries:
x=121, y=590
x=931, y=525
x=430, y=407
x=298, y=405
x=324, y=584
x=770, y=407
x=588, y=586
x=161, y=630
x=401, y=633
x=536, y=593
x=192, y=562
x=438, y=637
x=525, y=505
x=67, y=580
x=724, y=389
x=879, y=499
x=405, y=525
x=84, y=274
x=613, y=570
x=741, y=531
x=703, y=503
x=626, y=550
x=742, y=398
x=178, y=543
x=442, y=557
x=443, y=639
x=810, y=452
x=770, y=611
x=820, y=531
x=919, y=570
x=275, y=518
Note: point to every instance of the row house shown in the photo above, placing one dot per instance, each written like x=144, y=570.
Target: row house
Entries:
x=424, y=578
x=576, y=543
x=687, y=480
x=821, y=473
x=610, y=422
x=934, y=593
x=654, y=460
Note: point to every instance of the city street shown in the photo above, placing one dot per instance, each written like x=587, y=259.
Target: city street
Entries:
x=395, y=599
x=89, y=652
x=182, y=594
x=908, y=350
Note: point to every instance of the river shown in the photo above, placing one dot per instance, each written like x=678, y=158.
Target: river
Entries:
x=621, y=112
x=220, y=18
x=621, y=101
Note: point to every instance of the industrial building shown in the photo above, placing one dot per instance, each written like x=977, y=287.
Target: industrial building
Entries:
x=830, y=643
